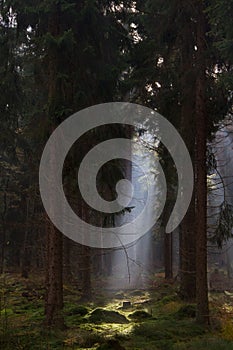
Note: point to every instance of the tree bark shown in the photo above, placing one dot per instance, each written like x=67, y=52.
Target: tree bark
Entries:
x=54, y=285
x=168, y=242
x=187, y=229
x=54, y=242
x=201, y=179
x=187, y=269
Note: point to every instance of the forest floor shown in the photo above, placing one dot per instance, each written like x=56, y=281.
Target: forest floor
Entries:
x=154, y=319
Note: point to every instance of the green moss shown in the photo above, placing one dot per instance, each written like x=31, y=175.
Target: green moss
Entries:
x=205, y=344
x=139, y=315
x=186, y=311
x=167, y=332
x=167, y=299
x=6, y=312
x=83, y=339
x=174, y=328
x=77, y=310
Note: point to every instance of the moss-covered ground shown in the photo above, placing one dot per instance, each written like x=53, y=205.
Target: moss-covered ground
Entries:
x=155, y=319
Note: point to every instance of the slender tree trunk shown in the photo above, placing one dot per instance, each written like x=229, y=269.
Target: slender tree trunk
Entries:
x=4, y=230
x=201, y=180
x=167, y=237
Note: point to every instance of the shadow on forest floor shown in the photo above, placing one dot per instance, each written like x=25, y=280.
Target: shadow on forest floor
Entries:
x=116, y=320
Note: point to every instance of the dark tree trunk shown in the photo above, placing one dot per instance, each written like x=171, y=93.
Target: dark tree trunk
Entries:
x=168, y=243
x=171, y=195
x=54, y=285
x=187, y=230
x=188, y=256
x=54, y=242
x=201, y=180
x=168, y=255
x=3, y=230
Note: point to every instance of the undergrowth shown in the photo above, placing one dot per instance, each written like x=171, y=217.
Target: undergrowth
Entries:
x=160, y=321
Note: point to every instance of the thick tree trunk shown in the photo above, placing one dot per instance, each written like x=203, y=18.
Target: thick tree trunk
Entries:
x=201, y=179
x=187, y=230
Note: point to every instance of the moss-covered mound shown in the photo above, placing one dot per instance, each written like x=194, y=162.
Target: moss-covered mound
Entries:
x=106, y=316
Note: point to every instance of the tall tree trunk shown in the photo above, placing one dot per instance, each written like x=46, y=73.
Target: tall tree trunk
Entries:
x=201, y=179
x=187, y=230
x=171, y=196
x=54, y=242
